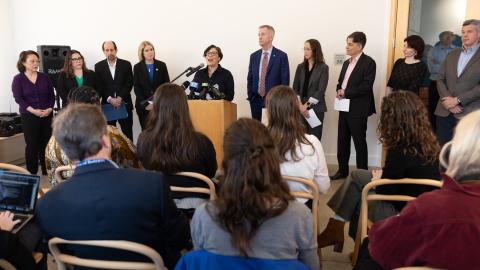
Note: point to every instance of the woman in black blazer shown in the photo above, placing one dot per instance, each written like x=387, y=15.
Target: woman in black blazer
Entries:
x=310, y=83
x=148, y=75
x=74, y=74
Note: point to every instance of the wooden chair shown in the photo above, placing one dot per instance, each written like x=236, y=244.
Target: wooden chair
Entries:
x=313, y=195
x=58, y=174
x=5, y=265
x=209, y=191
x=63, y=260
x=363, y=223
x=13, y=168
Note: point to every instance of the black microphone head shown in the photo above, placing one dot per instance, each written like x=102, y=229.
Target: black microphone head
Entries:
x=185, y=84
x=201, y=65
x=193, y=86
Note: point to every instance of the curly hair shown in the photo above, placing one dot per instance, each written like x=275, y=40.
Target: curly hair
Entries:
x=285, y=121
x=404, y=124
x=253, y=190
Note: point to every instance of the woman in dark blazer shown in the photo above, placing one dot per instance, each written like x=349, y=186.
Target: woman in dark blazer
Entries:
x=310, y=83
x=74, y=74
x=148, y=75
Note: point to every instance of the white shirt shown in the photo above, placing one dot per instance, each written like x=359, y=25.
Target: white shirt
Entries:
x=312, y=165
x=112, y=68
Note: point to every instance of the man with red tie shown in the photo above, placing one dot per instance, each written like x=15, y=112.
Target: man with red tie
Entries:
x=268, y=67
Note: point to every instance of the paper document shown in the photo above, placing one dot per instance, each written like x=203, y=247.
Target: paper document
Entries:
x=313, y=120
x=342, y=105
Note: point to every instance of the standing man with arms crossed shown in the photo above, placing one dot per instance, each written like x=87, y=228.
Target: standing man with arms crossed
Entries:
x=458, y=82
x=115, y=80
x=268, y=67
x=355, y=83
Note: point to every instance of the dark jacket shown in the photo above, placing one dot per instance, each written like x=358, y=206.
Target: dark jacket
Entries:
x=316, y=85
x=66, y=84
x=102, y=202
x=142, y=86
x=221, y=77
x=120, y=85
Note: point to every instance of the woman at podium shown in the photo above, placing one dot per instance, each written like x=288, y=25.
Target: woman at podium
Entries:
x=74, y=74
x=219, y=79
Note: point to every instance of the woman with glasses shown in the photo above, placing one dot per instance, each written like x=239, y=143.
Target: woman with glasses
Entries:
x=148, y=75
x=219, y=79
x=74, y=74
x=310, y=83
x=33, y=91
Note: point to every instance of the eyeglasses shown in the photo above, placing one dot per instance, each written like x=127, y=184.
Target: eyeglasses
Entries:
x=212, y=53
x=77, y=59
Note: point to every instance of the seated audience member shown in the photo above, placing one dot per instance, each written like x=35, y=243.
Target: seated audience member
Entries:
x=170, y=144
x=11, y=249
x=412, y=152
x=74, y=74
x=301, y=154
x=440, y=229
x=123, y=151
x=254, y=215
x=104, y=202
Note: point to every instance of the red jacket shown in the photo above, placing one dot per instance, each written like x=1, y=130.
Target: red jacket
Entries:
x=439, y=229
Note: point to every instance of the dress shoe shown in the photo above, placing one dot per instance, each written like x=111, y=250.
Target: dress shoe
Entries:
x=338, y=175
x=332, y=235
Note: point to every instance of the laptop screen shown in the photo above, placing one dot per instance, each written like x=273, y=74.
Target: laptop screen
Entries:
x=18, y=192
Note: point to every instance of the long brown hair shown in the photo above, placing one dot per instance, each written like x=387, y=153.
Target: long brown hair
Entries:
x=404, y=124
x=67, y=65
x=253, y=190
x=317, y=52
x=285, y=121
x=169, y=141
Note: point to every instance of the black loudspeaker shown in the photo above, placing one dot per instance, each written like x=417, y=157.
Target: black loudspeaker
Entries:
x=52, y=58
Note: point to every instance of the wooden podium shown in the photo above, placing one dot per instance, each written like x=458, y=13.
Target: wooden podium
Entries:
x=212, y=117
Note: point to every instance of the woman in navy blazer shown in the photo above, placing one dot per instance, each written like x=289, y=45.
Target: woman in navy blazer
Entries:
x=74, y=74
x=148, y=75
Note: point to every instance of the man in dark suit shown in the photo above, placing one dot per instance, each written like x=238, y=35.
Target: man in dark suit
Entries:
x=103, y=202
x=115, y=80
x=356, y=84
x=458, y=82
x=268, y=67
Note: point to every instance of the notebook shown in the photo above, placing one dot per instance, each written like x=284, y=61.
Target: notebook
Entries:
x=112, y=113
x=18, y=194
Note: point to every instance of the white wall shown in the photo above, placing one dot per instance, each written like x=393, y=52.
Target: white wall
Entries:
x=180, y=30
x=8, y=56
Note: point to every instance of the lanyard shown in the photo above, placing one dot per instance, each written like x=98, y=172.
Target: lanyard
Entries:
x=94, y=161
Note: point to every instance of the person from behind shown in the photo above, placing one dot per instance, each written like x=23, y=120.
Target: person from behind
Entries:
x=123, y=151
x=104, y=202
x=412, y=152
x=215, y=75
x=301, y=154
x=170, y=144
x=448, y=217
x=11, y=248
x=148, y=75
x=254, y=215
x=310, y=84
x=74, y=74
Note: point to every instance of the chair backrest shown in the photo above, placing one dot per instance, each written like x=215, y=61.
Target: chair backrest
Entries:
x=202, y=259
x=13, y=168
x=65, y=259
x=313, y=195
x=5, y=265
x=362, y=223
x=60, y=170
x=210, y=190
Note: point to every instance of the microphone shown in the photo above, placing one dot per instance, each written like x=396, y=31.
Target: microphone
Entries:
x=194, y=69
x=193, y=90
x=215, y=92
x=204, y=91
x=185, y=85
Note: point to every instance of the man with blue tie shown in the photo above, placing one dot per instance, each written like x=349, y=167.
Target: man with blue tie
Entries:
x=268, y=67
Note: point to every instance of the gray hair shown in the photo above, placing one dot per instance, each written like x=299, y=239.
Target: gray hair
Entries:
x=444, y=33
x=78, y=129
x=472, y=22
x=463, y=158
x=269, y=27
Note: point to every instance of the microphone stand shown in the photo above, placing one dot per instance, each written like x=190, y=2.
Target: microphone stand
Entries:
x=186, y=70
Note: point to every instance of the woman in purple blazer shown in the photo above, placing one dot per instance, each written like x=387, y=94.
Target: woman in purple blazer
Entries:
x=33, y=91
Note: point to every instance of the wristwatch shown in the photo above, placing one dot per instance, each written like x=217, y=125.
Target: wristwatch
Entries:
x=459, y=101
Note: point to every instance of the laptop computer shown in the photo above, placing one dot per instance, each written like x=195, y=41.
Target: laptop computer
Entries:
x=18, y=194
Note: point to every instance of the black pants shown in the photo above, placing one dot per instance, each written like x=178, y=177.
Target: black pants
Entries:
x=37, y=132
x=256, y=106
x=142, y=117
x=352, y=128
x=126, y=125
x=433, y=98
x=445, y=128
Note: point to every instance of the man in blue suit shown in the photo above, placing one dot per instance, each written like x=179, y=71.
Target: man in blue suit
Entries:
x=268, y=67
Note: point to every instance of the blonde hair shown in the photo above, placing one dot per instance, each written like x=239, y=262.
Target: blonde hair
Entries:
x=464, y=149
x=142, y=46
x=269, y=28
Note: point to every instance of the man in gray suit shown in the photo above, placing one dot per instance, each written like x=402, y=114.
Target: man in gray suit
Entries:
x=458, y=82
